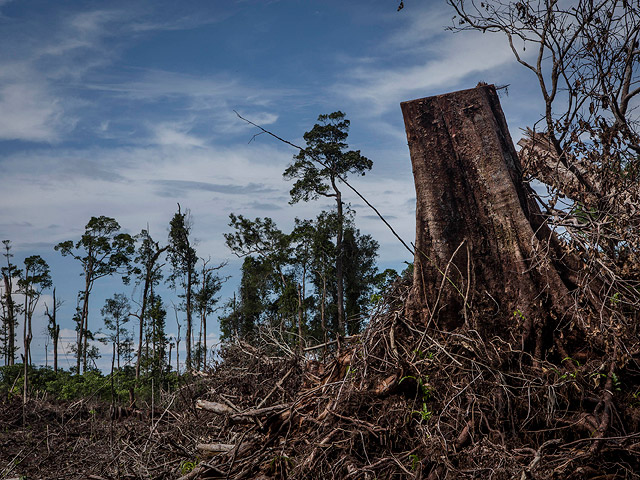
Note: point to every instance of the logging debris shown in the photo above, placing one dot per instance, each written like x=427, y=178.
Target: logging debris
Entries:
x=409, y=402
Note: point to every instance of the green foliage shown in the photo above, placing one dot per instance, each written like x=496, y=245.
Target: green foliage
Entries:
x=187, y=466
x=423, y=390
x=37, y=276
x=615, y=298
x=421, y=354
x=382, y=283
x=115, y=314
x=155, y=360
x=260, y=237
x=423, y=394
x=145, y=268
x=64, y=385
x=245, y=313
x=424, y=413
x=10, y=309
x=277, y=264
x=182, y=255
x=317, y=167
x=361, y=274
x=183, y=258
x=101, y=250
x=415, y=462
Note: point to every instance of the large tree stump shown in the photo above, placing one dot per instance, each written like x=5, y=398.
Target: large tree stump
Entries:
x=481, y=243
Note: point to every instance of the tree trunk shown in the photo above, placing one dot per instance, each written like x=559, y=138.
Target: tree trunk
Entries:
x=481, y=242
x=55, y=332
x=204, y=339
x=178, y=349
x=25, y=357
x=339, y=264
x=143, y=309
x=117, y=342
x=11, y=318
x=299, y=317
x=84, y=323
x=188, y=306
x=55, y=348
x=113, y=390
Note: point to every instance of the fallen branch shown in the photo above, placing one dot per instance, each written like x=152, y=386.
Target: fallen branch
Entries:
x=214, y=448
x=214, y=407
x=332, y=342
x=242, y=417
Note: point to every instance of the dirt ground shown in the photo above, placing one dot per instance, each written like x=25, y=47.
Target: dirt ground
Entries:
x=79, y=440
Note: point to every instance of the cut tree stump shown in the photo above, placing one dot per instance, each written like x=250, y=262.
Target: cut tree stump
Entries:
x=481, y=242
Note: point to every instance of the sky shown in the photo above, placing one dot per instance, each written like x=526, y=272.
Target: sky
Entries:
x=126, y=109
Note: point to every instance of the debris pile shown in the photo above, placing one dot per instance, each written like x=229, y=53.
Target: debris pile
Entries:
x=410, y=402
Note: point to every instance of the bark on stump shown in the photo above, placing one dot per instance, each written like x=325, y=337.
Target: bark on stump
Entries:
x=481, y=244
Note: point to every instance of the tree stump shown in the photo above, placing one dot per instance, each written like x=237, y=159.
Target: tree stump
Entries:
x=481, y=242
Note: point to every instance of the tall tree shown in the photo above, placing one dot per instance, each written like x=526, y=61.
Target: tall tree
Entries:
x=302, y=256
x=148, y=273
x=115, y=314
x=157, y=319
x=323, y=274
x=269, y=269
x=53, y=328
x=35, y=280
x=206, y=300
x=360, y=252
x=245, y=312
x=317, y=170
x=183, y=259
x=9, y=272
x=102, y=251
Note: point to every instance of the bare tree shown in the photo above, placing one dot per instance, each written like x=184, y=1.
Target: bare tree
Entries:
x=102, y=251
x=54, y=328
x=586, y=147
x=35, y=280
x=10, y=309
x=183, y=258
x=148, y=273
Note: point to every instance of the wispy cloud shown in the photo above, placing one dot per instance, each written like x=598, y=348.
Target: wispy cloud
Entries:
x=47, y=74
x=30, y=110
x=457, y=58
x=180, y=187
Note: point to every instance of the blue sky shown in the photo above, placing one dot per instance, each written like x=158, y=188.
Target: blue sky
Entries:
x=124, y=109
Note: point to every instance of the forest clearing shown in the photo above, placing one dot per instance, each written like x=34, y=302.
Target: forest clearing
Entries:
x=508, y=348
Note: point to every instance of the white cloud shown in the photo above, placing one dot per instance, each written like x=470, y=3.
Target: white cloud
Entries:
x=422, y=26
x=456, y=58
x=30, y=111
x=175, y=134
